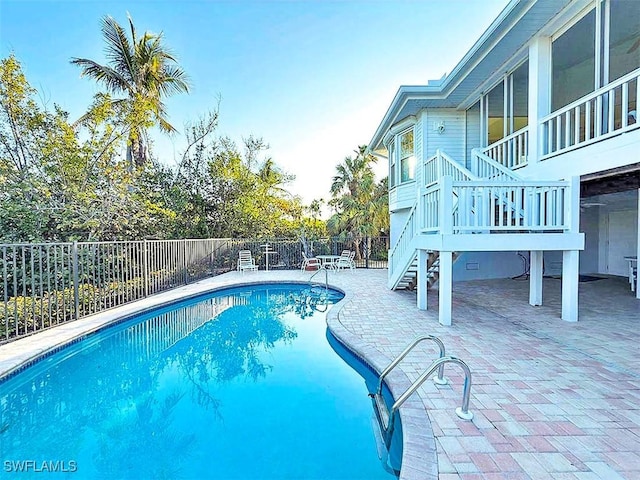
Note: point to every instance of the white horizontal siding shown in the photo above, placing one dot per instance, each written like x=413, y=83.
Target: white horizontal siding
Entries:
x=397, y=222
x=472, y=136
x=452, y=139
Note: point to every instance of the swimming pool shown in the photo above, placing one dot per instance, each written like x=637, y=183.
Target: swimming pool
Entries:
x=238, y=384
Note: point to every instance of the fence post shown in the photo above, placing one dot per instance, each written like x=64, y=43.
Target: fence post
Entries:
x=145, y=267
x=76, y=292
x=367, y=243
x=184, y=261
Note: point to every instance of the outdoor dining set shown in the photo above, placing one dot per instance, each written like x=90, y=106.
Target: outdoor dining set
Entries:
x=330, y=262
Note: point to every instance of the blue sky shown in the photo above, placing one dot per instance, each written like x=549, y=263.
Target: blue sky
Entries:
x=312, y=78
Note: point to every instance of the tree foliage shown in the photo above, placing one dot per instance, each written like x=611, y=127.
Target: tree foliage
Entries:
x=62, y=182
x=360, y=204
x=232, y=193
x=145, y=70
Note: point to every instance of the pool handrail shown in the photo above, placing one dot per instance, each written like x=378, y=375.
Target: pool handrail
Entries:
x=440, y=380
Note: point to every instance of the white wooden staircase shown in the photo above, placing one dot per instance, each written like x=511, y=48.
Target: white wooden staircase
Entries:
x=459, y=210
x=409, y=279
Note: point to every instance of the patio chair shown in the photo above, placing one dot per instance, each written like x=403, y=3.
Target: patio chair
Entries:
x=310, y=262
x=346, y=260
x=246, y=261
x=633, y=272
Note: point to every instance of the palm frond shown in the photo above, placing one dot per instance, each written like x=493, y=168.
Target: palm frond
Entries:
x=165, y=126
x=174, y=80
x=101, y=73
x=118, y=49
x=132, y=27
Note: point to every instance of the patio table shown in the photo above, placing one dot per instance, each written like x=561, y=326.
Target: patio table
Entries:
x=328, y=260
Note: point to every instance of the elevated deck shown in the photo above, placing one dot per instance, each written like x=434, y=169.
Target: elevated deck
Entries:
x=458, y=211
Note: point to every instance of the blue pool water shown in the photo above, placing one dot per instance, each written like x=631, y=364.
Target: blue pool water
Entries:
x=240, y=384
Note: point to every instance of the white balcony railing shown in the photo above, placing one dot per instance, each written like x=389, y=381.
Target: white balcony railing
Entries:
x=511, y=151
x=608, y=111
x=485, y=206
x=511, y=206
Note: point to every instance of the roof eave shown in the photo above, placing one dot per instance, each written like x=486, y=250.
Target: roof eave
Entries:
x=402, y=96
x=406, y=93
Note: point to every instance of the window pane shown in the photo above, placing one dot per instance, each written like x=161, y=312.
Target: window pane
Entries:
x=406, y=144
x=573, y=62
x=407, y=158
x=495, y=117
x=473, y=131
x=408, y=168
x=624, y=37
x=521, y=97
x=392, y=165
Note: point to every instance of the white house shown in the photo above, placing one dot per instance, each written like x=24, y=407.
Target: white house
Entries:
x=524, y=159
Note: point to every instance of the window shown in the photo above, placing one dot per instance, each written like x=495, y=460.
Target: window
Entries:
x=600, y=48
x=519, y=98
x=402, y=159
x=495, y=114
x=392, y=164
x=573, y=62
x=406, y=156
x=624, y=38
x=473, y=135
x=507, y=105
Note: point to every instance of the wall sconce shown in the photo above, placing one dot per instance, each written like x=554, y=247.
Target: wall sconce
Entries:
x=438, y=126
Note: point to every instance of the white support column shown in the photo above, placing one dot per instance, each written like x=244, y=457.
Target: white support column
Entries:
x=572, y=205
x=539, y=93
x=570, y=268
x=445, y=214
x=535, y=277
x=445, y=283
x=422, y=280
x=638, y=250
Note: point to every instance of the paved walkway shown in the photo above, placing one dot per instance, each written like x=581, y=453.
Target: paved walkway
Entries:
x=550, y=399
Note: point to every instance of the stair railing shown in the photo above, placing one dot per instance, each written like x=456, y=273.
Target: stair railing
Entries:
x=462, y=411
x=402, y=244
x=442, y=164
x=485, y=167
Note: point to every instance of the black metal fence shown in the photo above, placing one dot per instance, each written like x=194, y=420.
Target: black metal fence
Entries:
x=45, y=284
x=371, y=252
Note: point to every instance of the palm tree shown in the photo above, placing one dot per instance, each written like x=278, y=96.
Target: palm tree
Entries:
x=359, y=202
x=143, y=69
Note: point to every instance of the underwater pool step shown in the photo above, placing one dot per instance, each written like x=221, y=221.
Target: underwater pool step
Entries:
x=382, y=410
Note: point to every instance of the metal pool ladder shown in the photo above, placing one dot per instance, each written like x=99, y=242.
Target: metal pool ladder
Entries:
x=387, y=416
x=326, y=277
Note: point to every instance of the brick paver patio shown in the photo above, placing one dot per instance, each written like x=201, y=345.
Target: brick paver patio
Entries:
x=550, y=399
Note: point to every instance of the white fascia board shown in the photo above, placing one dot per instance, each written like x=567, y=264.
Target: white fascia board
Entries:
x=464, y=65
x=501, y=242
x=404, y=94
x=418, y=92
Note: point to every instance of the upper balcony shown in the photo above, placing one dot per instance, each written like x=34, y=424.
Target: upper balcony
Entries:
x=603, y=114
